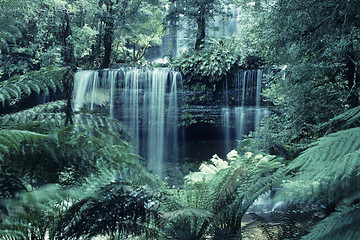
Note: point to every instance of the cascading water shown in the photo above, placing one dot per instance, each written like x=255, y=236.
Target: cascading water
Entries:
x=144, y=99
x=246, y=115
x=147, y=101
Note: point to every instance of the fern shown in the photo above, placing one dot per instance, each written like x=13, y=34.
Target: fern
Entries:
x=44, y=80
x=226, y=189
x=342, y=224
x=52, y=112
x=12, y=138
x=327, y=170
x=350, y=118
x=35, y=213
x=13, y=231
x=116, y=207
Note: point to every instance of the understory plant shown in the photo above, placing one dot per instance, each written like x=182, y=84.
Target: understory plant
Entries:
x=215, y=199
x=327, y=173
x=209, y=65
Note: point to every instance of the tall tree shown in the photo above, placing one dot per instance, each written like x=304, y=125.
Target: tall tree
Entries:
x=198, y=12
x=122, y=16
x=317, y=43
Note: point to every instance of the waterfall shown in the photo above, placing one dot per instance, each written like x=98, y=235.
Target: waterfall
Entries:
x=145, y=99
x=245, y=114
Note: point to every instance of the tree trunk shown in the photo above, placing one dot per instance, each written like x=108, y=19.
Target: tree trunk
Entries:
x=69, y=61
x=108, y=35
x=353, y=79
x=200, y=36
x=68, y=81
x=68, y=47
x=108, y=40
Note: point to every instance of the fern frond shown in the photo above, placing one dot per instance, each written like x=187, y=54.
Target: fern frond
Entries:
x=36, y=81
x=116, y=207
x=349, y=118
x=343, y=224
x=101, y=121
x=12, y=138
x=13, y=231
x=53, y=112
x=228, y=188
x=38, y=210
x=185, y=214
x=329, y=168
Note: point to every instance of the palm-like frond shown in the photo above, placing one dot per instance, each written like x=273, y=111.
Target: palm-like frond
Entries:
x=94, y=141
x=342, y=224
x=35, y=81
x=226, y=189
x=12, y=138
x=116, y=208
x=251, y=176
x=328, y=170
x=13, y=231
x=52, y=112
x=350, y=118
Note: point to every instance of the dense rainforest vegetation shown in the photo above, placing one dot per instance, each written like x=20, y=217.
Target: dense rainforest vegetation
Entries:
x=74, y=175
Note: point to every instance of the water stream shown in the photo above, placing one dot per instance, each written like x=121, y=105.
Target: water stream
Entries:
x=145, y=99
x=150, y=102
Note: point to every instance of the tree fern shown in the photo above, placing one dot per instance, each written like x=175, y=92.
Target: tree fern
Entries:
x=13, y=231
x=350, y=118
x=328, y=169
x=115, y=207
x=76, y=210
x=226, y=189
x=342, y=224
x=53, y=112
x=35, y=81
x=328, y=173
x=35, y=214
x=12, y=138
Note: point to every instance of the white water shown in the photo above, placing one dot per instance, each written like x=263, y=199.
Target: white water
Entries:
x=144, y=99
x=247, y=115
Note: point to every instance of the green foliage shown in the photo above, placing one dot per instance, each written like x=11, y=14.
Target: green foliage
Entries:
x=328, y=169
x=327, y=173
x=117, y=209
x=212, y=63
x=94, y=208
x=349, y=118
x=138, y=33
x=11, y=21
x=46, y=79
x=342, y=224
x=12, y=138
x=216, y=198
